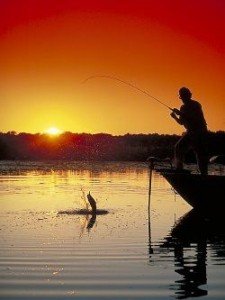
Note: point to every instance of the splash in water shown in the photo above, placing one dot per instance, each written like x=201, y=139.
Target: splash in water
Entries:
x=86, y=211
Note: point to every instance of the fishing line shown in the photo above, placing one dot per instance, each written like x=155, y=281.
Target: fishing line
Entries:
x=129, y=84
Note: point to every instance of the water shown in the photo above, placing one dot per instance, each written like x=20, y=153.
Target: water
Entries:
x=119, y=255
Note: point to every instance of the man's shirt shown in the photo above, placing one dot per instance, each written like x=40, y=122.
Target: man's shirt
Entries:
x=191, y=116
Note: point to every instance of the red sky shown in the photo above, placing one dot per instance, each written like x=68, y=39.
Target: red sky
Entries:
x=48, y=47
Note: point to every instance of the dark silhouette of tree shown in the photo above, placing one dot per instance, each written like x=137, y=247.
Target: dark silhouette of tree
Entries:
x=101, y=146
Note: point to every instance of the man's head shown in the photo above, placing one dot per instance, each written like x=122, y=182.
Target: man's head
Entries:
x=185, y=94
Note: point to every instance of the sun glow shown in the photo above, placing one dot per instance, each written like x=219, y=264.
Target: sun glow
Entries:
x=53, y=131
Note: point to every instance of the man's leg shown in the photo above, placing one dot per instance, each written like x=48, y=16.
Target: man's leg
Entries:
x=181, y=147
x=201, y=152
x=202, y=161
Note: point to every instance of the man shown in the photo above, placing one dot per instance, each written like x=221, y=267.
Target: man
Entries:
x=191, y=117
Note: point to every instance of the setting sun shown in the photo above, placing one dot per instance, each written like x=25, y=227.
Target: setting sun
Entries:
x=53, y=131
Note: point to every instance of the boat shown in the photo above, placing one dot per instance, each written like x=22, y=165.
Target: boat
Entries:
x=205, y=193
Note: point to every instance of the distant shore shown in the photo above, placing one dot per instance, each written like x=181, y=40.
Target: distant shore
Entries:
x=96, y=147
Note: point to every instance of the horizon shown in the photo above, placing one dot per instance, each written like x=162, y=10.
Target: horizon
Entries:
x=97, y=133
x=89, y=133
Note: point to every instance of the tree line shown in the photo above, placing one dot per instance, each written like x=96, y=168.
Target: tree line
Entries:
x=100, y=147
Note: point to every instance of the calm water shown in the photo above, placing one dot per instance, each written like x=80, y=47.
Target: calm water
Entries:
x=121, y=255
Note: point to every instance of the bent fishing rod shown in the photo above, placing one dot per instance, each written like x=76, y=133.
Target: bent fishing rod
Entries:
x=129, y=84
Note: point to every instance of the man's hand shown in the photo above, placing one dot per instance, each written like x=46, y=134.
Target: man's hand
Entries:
x=176, y=111
x=173, y=115
x=176, y=115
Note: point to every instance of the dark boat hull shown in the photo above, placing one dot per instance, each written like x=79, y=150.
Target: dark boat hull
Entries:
x=204, y=193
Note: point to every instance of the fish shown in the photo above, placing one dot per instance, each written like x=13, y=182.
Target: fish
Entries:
x=92, y=202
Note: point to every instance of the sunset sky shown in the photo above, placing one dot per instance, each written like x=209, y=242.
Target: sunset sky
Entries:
x=48, y=47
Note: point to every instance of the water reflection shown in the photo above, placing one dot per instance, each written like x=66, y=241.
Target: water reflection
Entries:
x=89, y=217
x=91, y=222
x=88, y=223
x=188, y=241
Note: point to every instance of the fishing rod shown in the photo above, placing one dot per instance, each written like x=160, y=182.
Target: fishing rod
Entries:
x=129, y=84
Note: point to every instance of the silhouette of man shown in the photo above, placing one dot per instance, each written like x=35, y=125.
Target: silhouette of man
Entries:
x=191, y=117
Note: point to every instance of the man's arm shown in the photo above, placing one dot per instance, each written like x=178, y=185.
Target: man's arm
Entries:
x=177, y=115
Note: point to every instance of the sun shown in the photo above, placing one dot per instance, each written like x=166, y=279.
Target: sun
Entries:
x=53, y=131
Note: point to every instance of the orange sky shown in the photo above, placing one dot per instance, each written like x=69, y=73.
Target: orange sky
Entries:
x=48, y=47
